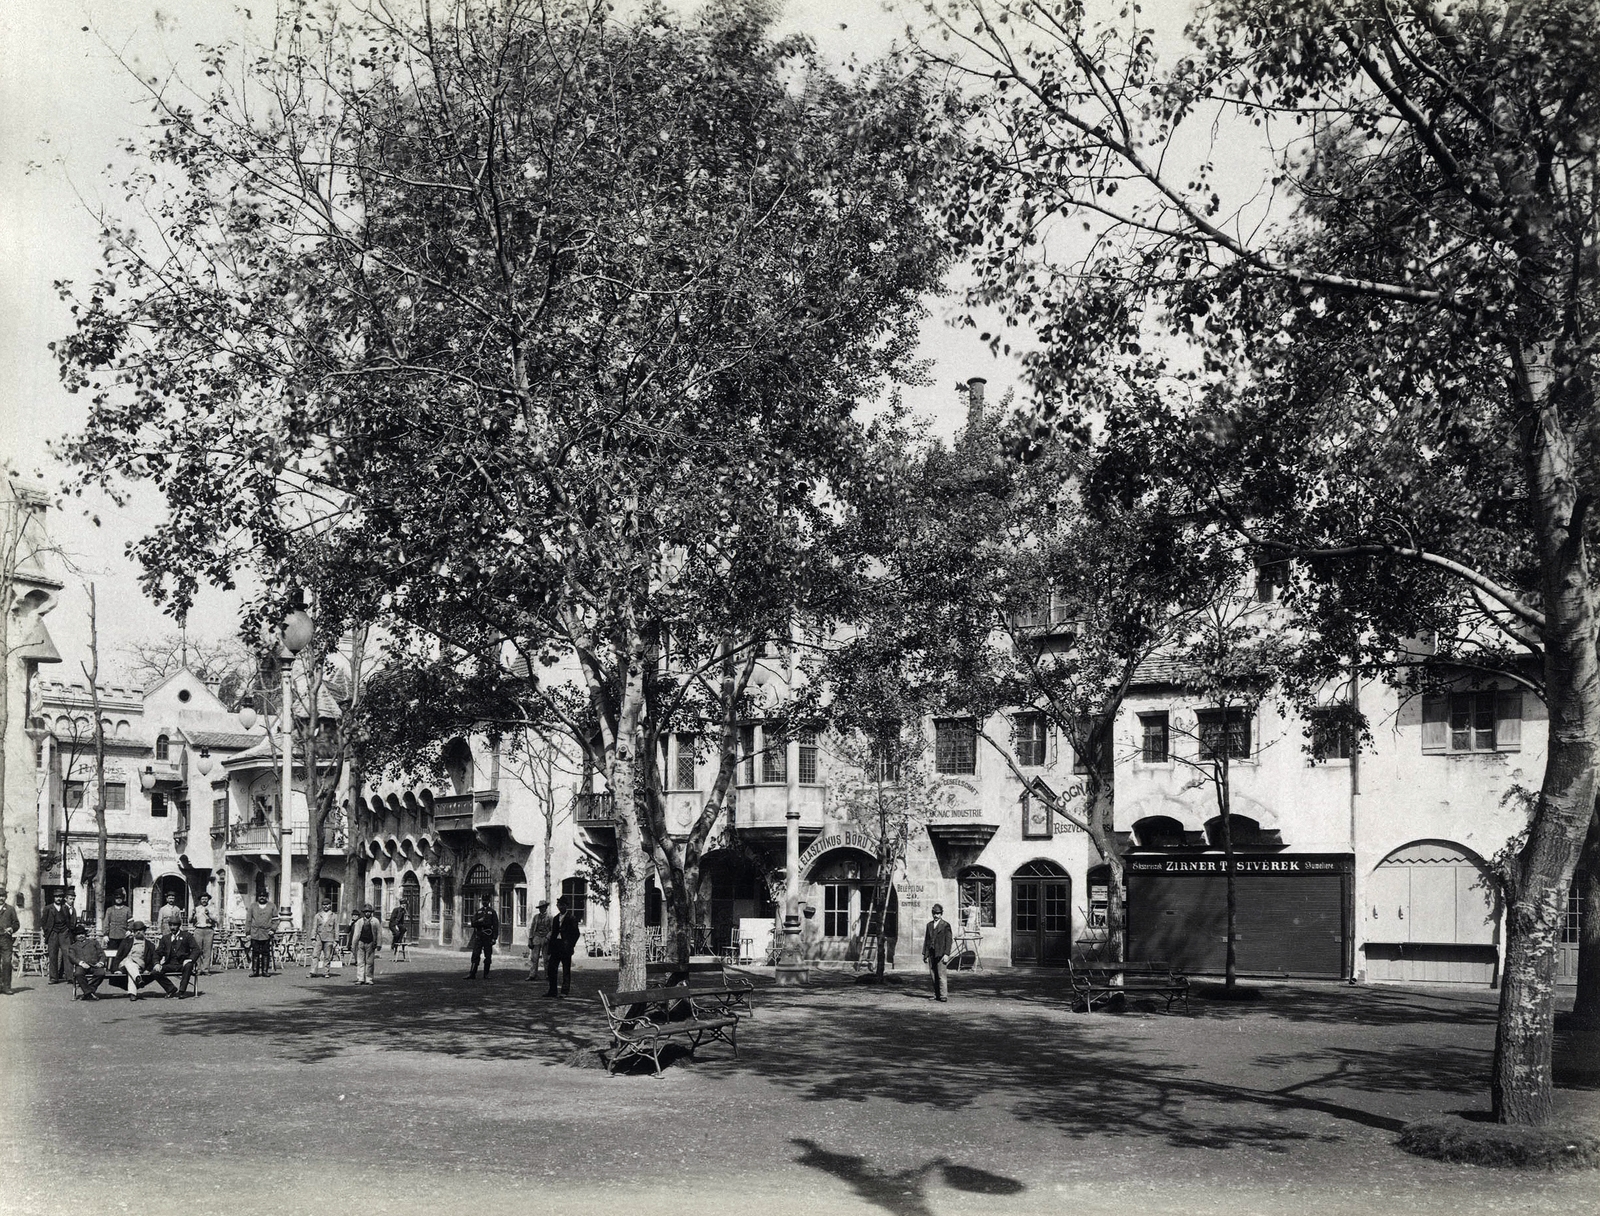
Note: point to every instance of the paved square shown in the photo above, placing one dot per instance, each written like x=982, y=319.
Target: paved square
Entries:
x=427, y=1093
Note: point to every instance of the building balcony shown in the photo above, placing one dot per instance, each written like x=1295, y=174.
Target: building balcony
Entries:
x=253, y=838
x=595, y=810
x=333, y=838
x=766, y=807
x=480, y=811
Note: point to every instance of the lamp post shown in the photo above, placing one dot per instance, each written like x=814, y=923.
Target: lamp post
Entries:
x=791, y=965
x=292, y=636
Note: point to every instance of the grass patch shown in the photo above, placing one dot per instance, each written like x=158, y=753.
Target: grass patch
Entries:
x=1468, y=1142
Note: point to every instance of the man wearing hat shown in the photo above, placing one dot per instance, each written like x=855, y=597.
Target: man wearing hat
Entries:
x=937, y=943
x=88, y=963
x=325, y=937
x=58, y=922
x=485, y=932
x=10, y=926
x=137, y=957
x=259, y=924
x=364, y=944
x=538, y=940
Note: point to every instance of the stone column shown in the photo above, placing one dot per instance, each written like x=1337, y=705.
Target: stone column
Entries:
x=792, y=968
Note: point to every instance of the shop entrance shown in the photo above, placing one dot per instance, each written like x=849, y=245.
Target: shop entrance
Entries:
x=733, y=888
x=1041, y=915
x=846, y=880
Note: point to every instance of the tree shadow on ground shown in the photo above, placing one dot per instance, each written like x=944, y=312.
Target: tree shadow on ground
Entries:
x=902, y=1192
x=1199, y=1085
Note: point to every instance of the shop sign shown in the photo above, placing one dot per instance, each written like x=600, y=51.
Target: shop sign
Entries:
x=955, y=812
x=839, y=840
x=1305, y=863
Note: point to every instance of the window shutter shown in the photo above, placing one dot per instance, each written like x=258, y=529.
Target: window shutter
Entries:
x=1435, y=724
x=1508, y=722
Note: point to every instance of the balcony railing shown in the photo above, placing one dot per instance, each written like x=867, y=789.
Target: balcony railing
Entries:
x=333, y=837
x=453, y=814
x=597, y=809
x=253, y=837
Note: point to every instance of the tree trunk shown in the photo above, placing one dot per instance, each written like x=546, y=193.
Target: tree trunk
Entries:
x=623, y=778
x=1102, y=832
x=99, y=761
x=1230, y=966
x=1522, y=1087
x=14, y=509
x=1586, y=1008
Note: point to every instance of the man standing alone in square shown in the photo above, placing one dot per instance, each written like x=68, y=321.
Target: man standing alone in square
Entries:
x=937, y=943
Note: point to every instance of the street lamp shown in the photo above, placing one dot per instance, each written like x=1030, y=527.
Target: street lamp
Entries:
x=204, y=762
x=147, y=779
x=292, y=636
x=247, y=716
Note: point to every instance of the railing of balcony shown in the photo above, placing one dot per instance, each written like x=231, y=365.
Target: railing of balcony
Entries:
x=594, y=808
x=453, y=813
x=247, y=836
x=333, y=836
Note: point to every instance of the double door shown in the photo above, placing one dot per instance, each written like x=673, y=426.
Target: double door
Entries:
x=1041, y=920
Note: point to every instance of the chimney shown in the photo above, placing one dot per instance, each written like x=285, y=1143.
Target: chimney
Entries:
x=975, y=401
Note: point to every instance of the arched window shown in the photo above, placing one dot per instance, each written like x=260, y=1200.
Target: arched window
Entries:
x=163, y=747
x=458, y=765
x=575, y=896
x=977, y=897
x=1159, y=832
x=411, y=899
x=1041, y=868
x=513, y=897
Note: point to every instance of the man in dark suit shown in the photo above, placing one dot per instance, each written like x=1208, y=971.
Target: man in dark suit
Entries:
x=58, y=922
x=136, y=958
x=88, y=961
x=10, y=926
x=937, y=943
x=564, y=934
x=178, y=953
x=485, y=932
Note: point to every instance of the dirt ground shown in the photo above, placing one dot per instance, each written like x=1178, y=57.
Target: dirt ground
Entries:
x=428, y=1093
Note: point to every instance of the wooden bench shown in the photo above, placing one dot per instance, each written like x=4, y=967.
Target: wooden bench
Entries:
x=644, y=1021
x=1105, y=981
x=710, y=982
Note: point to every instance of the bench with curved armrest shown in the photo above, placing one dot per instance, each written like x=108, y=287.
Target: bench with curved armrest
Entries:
x=642, y=1022
x=1104, y=982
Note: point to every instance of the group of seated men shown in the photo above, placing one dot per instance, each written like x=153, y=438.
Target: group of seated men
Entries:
x=138, y=961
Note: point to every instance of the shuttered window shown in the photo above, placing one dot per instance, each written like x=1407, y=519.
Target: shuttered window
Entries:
x=1463, y=722
x=1028, y=731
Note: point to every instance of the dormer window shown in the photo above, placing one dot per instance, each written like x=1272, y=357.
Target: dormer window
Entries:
x=163, y=747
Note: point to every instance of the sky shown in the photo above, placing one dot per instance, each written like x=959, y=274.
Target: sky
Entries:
x=70, y=108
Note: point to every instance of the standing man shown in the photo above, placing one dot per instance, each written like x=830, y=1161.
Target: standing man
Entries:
x=117, y=921
x=170, y=918
x=937, y=943
x=485, y=932
x=325, y=939
x=538, y=940
x=10, y=926
x=397, y=930
x=58, y=924
x=204, y=922
x=564, y=934
x=364, y=944
x=259, y=922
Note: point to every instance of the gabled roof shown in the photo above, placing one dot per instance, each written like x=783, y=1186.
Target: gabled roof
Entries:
x=222, y=740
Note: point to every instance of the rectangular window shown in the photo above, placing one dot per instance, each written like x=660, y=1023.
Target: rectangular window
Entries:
x=158, y=806
x=1025, y=907
x=1465, y=722
x=774, y=758
x=808, y=757
x=522, y=906
x=1332, y=735
x=1057, y=910
x=1029, y=733
x=1224, y=731
x=1099, y=904
x=955, y=745
x=117, y=797
x=977, y=901
x=507, y=896
x=434, y=901
x=886, y=763
x=684, y=777
x=1154, y=743
x=219, y=812
x=836, y=910
x=747, y=750
x=72, y=795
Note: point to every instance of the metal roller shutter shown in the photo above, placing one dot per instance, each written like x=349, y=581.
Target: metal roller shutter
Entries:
x=1286, y=924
